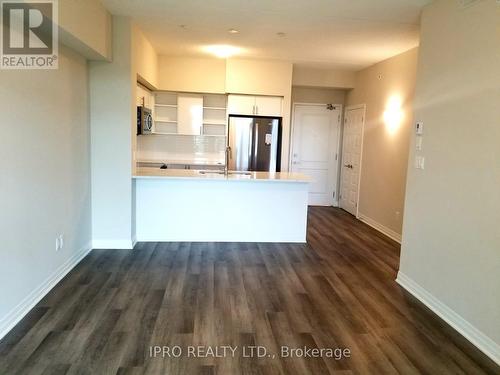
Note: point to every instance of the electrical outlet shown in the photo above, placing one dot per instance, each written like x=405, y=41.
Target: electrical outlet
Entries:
x=419, y=162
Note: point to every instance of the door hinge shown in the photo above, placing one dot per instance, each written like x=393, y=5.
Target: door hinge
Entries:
x=336, y=157
x=333, y=195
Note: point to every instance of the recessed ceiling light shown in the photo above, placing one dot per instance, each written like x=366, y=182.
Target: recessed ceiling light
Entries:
x=281, y=34
x=183, y=26
x=222, y=51
x=233, y=31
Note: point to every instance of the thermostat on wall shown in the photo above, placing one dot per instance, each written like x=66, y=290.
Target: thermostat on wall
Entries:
x=419, y=128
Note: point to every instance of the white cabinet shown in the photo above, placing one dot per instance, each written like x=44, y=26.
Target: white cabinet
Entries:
x=255, y=105
x=144, y=96
x=241, y=104
x=269, y=105
x=189, y=114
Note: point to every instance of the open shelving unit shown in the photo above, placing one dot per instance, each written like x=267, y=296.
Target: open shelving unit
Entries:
x=165, y=113
x=215, y=115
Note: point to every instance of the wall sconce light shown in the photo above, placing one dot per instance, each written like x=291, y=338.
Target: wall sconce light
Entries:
x=393, y=114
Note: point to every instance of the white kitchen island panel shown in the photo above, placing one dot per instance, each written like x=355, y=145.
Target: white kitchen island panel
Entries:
x=220, y=210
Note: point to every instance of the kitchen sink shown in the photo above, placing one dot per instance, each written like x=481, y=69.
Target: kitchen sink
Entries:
x=211, y=172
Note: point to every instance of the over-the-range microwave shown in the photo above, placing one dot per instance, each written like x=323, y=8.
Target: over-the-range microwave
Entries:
x=144, y=120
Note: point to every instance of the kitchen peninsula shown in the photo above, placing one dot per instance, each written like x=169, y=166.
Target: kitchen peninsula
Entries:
x=203, y=206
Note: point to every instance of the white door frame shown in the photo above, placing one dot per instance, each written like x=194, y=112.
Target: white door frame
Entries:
x=336, y=200
x=350, y=108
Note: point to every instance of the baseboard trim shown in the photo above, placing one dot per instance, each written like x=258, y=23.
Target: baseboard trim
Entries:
x=381, y=228
x=113, y=244
x=222, y=240
x=30, y=301
x=459, y=324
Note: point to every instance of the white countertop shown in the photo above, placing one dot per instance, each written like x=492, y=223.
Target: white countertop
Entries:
x=192, y=174
x=193, y=161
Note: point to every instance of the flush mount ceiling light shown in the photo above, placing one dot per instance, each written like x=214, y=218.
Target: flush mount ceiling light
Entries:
x=281, y=34
x=233, y=31
x=222, y=51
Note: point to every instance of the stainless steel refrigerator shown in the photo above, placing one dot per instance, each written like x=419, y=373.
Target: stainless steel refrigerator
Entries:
x=254, y=143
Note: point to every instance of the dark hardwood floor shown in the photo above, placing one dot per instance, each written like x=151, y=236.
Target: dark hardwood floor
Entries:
x=338, y=291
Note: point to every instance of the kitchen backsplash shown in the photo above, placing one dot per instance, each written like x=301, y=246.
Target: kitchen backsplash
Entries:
x=180, y=147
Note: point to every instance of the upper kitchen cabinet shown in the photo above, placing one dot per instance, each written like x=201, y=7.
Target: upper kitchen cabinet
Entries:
x=144, y=96
x=269, y=106
x=189, y=114
x=241, y=105
x=255, y=105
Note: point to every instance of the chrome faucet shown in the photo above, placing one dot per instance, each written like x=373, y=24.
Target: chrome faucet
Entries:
x=226, y=161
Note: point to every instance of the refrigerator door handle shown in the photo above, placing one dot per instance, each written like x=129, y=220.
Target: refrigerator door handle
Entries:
x=255, y=146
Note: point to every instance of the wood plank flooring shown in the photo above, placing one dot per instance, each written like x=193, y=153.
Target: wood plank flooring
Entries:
x=338, y=291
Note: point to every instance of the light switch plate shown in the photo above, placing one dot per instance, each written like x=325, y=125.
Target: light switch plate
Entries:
x=419, y=128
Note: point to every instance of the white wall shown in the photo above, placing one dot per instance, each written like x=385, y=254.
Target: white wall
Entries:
x=192, y=74
x=146, y=59
x=331, y=78
x=385, y=144
x=45, y=183
x=317, y=95
x=451, y=236
x=85, y=26
x=113, y=116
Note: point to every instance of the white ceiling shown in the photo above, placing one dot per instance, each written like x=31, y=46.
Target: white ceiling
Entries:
x=347, y=34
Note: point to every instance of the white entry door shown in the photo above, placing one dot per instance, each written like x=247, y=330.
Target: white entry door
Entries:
x=315, y=150
x=351, y=158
